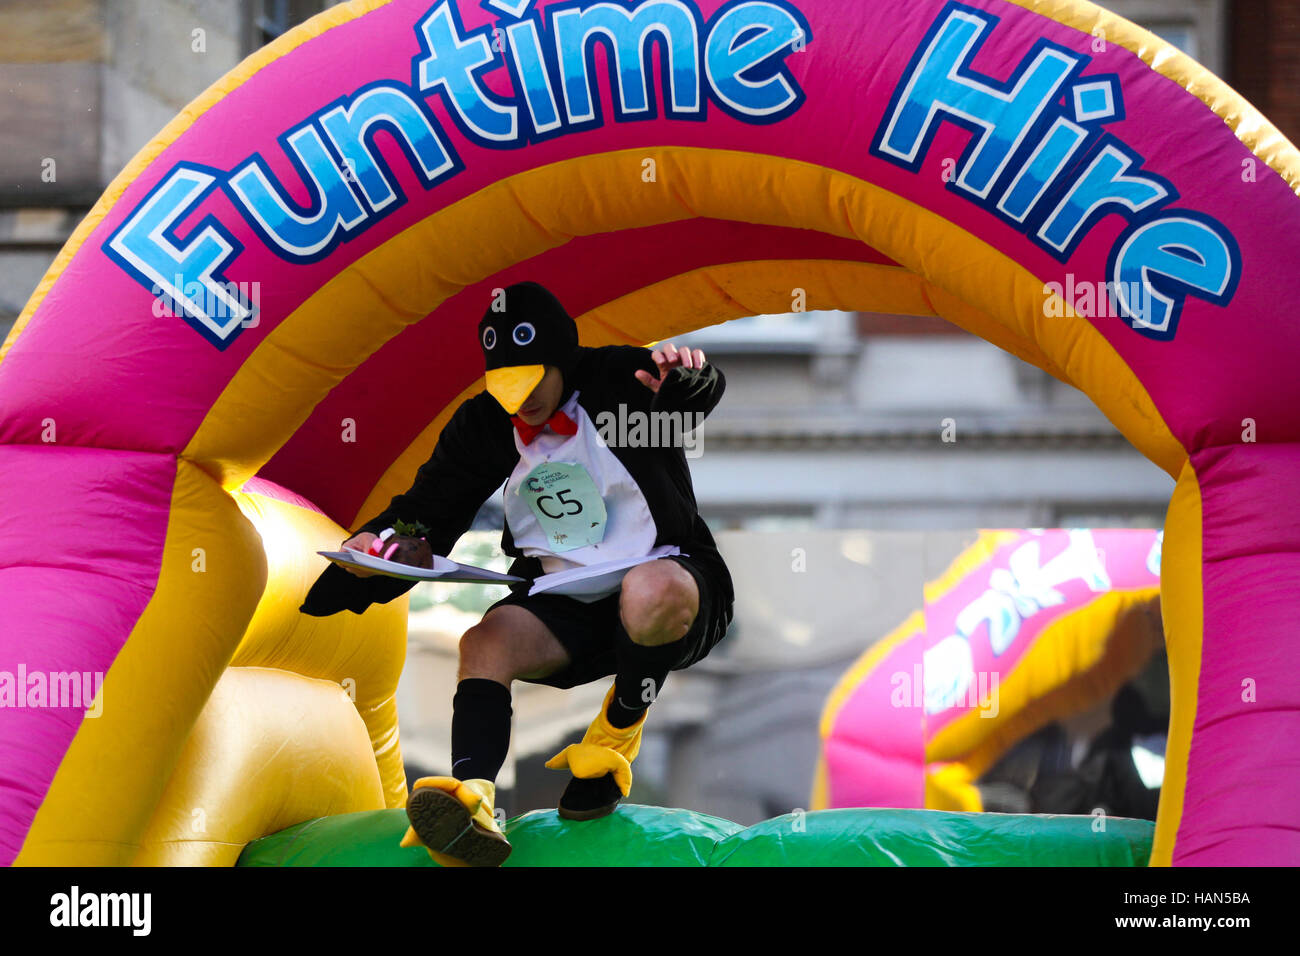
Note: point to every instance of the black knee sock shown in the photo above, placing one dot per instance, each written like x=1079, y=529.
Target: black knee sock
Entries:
x=641, y=673
x=480, y=729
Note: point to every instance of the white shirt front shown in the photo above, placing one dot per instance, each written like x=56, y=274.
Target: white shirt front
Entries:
x=629, y=527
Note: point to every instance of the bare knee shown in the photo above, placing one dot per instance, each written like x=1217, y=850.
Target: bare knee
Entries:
x=658, y=602
x=510, y=644
x=485, y=653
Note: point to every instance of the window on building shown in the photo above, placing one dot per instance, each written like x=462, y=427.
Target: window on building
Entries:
x=810, y=331
x=1180, y=34
x=267, y=19
x=1106, y=515
x=1197, y=27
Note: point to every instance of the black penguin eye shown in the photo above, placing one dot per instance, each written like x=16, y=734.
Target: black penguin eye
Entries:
x=524, y=333
x=489, y=337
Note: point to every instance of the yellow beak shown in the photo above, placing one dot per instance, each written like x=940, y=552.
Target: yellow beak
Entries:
x=512, y=386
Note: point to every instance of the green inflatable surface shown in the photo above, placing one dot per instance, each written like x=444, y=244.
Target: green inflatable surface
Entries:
x=656, y=836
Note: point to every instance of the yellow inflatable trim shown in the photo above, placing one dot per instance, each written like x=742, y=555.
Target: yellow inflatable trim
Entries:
x=271, y=749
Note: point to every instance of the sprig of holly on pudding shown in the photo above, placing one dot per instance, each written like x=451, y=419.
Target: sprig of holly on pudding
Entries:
x=405, y=543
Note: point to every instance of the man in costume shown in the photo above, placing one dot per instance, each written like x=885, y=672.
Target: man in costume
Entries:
x=572, y=500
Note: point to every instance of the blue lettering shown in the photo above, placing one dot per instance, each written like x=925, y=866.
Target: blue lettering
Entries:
x=295, y=234
x=349, y=130
x=629, y=35
x=727, y=58
x=1044, y=165
x=450, y=62
x=530, y=73
x=940, y=85
x=1171, y=258
x=1024, y=163
x=738, y=60
x=146, y=246
x=1103, y=186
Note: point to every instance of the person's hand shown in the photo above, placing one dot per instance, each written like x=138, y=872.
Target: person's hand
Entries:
x=668, y=357
x=360, y=542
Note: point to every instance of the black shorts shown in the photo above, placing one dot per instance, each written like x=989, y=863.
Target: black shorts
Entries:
x=587, y=630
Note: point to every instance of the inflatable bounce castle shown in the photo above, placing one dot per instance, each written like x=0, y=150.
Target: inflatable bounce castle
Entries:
x=255, y=336
x=1024, y=628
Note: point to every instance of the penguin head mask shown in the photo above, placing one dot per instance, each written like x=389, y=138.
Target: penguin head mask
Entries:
x=522, y=332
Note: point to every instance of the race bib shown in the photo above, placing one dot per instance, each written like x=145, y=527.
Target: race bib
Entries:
x=567, y=505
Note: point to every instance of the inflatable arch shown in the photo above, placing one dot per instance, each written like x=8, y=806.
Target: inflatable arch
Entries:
x=284, y=285
x=1025, y=627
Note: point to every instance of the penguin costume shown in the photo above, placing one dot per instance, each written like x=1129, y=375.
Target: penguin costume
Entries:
x=571, y=500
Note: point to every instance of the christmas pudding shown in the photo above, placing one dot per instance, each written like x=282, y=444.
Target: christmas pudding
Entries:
x=404, y=543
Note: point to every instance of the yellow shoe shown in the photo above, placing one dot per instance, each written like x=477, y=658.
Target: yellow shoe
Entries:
x=601, y=766
x=453, y=820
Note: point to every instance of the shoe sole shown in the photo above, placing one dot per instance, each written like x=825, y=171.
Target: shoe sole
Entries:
x=590, y=813
x=595, y=814
x=444, y=825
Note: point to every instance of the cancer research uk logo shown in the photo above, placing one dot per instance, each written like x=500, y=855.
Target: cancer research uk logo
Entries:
x=1040, y=158
x=733, y=61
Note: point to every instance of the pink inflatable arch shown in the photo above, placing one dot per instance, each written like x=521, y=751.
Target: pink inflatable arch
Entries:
x=1024, y=628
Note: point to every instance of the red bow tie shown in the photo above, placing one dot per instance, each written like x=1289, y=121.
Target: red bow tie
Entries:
x=560, y=423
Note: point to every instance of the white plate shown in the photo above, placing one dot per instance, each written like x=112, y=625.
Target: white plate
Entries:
x=444, y=569
x=595, y=579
